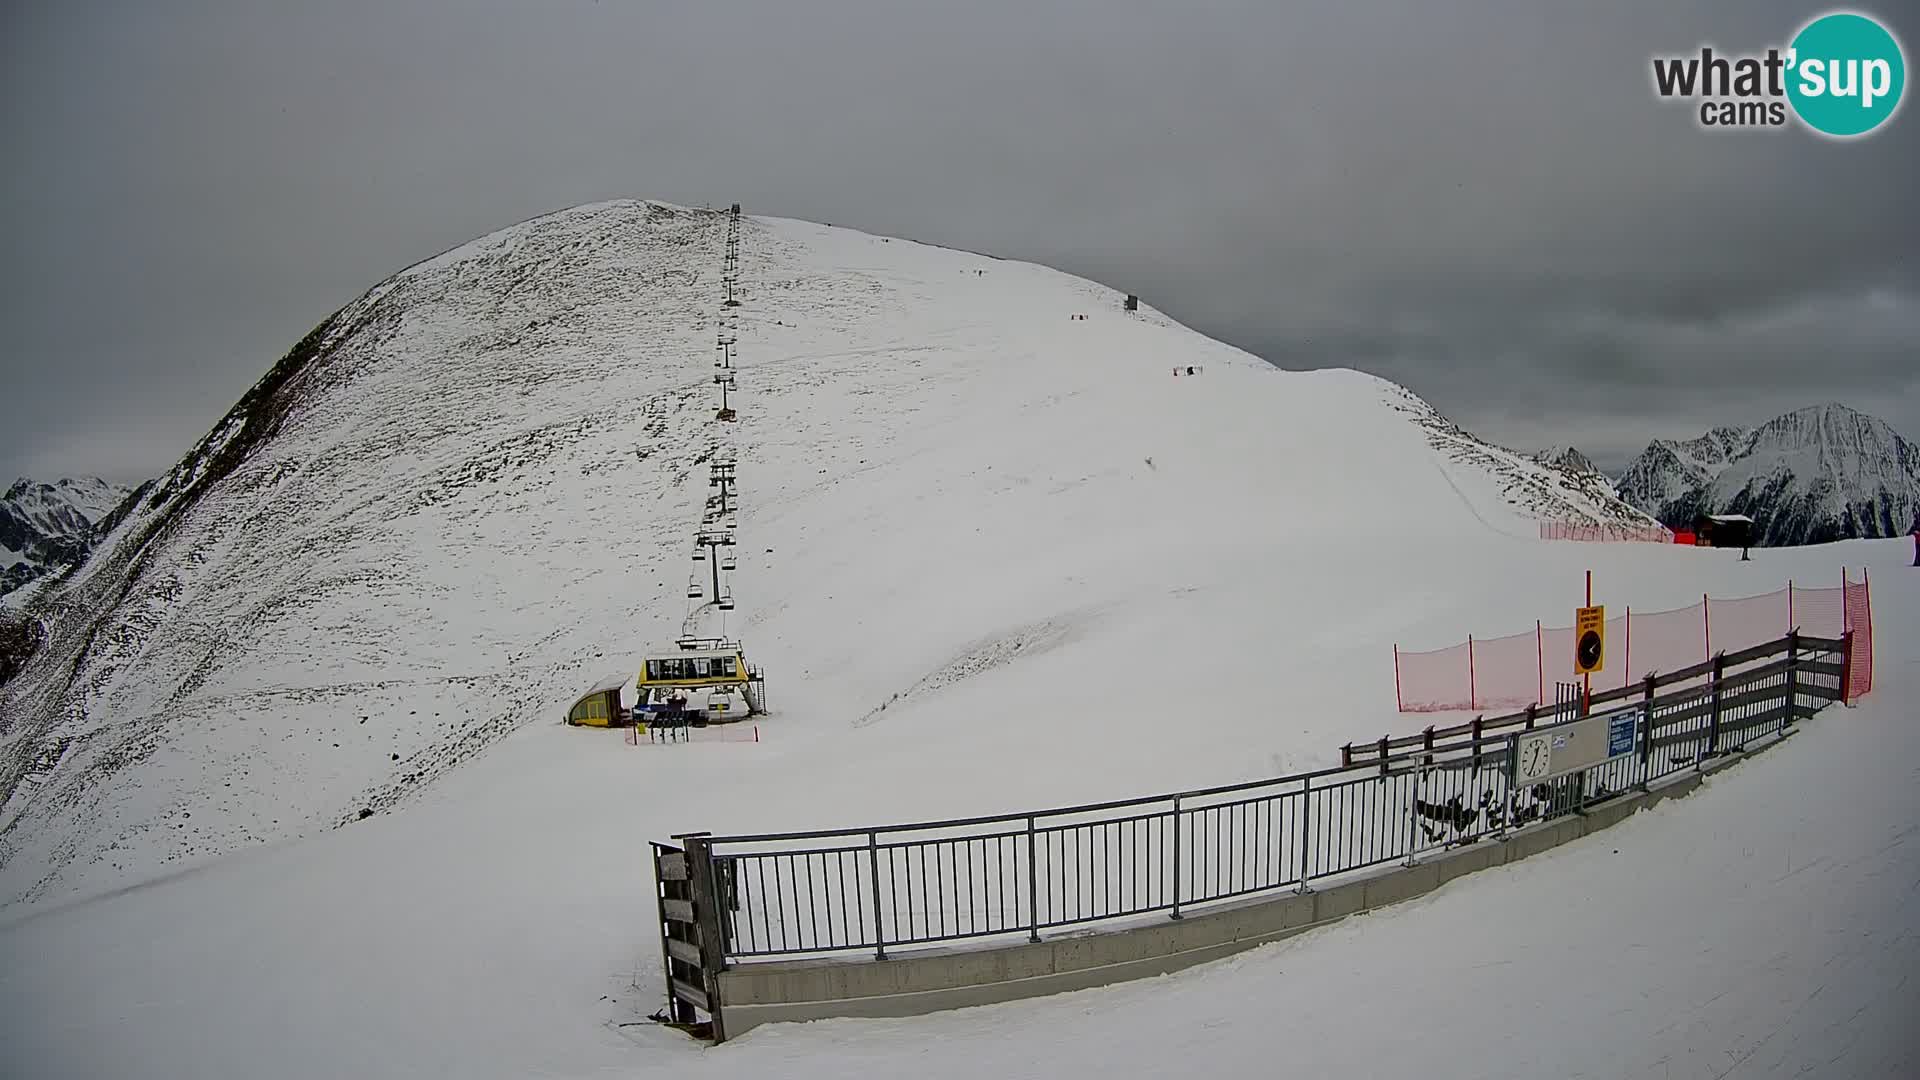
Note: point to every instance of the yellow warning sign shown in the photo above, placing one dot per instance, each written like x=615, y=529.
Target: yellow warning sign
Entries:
x=1589, y=639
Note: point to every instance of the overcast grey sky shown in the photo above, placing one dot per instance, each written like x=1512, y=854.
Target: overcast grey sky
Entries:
x=1482, y=201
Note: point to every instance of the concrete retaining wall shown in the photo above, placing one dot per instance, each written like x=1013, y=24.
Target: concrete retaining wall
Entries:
x=935, y=979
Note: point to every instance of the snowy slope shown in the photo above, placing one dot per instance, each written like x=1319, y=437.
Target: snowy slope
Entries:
x=1821, y=473
x=498, y=926
x=471, y=492
x=48, y=527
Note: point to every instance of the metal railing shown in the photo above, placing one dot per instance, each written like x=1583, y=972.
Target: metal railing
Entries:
x=1694, y=675
x=793, y=893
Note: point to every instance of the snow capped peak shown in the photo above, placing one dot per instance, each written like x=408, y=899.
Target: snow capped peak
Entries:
x=1818, y=473
x=1566, y=457
x=89, y=496
x=45, y=527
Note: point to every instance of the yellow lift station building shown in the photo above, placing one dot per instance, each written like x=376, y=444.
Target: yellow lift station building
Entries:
x=600, y=706
x=693, y=669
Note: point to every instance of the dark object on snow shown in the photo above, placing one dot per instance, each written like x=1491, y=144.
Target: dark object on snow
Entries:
x=1723, y=530
x=1133, y=303
x=366, y=812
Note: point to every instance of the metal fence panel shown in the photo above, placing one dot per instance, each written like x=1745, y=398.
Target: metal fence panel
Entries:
x=872, y=889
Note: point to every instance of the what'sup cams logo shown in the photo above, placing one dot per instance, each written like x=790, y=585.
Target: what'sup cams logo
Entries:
x=1843, y=75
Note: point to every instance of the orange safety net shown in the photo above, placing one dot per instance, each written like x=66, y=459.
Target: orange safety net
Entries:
x=1521, y=669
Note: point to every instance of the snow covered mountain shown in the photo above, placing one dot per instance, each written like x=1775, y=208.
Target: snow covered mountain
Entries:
x=1066, y=573
x=48, y=527
x=1567, y=457
x=1822, y=473
x=472, y=492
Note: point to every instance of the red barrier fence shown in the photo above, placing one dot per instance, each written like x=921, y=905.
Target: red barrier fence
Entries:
x=1589, y=531
x=1518, y=670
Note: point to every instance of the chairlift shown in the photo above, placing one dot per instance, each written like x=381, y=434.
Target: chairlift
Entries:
x=726, y=601
x=699, y=552
x=694, y=590
x=728, y=561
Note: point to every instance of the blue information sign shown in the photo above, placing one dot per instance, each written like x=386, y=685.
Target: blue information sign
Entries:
x=1620, y=734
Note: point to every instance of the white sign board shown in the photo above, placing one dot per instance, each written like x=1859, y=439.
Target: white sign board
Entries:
x=1549, y=753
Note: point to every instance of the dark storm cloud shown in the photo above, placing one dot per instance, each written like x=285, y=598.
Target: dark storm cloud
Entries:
x=1483, y=201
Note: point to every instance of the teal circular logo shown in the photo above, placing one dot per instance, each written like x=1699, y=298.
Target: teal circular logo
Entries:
x=1846, y=74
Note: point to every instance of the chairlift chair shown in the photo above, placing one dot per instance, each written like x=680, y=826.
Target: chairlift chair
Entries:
x=694, y=590
x=726, y=601
x=699, y=552
x=728, y=561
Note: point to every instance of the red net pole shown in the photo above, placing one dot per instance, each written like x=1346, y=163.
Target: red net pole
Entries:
x=1473, y=693
x=1586, y=681
x=1790, y=623
x=1399, y=704
x=1540, y=661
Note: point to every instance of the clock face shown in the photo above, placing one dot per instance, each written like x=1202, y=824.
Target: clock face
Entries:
x=1535, y=758
x=1589, y=651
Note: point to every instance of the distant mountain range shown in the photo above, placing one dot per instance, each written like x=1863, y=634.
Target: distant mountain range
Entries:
x=1822, y=473
x=45, y=528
